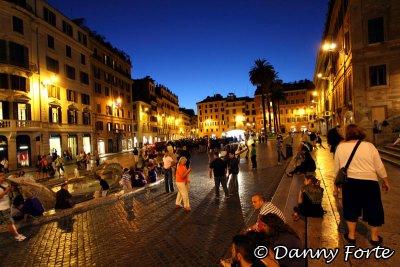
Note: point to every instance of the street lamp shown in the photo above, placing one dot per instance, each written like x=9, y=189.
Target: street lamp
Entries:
x=329, y=46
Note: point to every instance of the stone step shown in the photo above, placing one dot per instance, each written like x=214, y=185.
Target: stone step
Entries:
x=392, y=148
x=389, y=153
x=390, y=160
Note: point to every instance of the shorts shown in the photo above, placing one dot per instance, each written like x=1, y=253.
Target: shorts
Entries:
x=5, y=217
x=362, y=197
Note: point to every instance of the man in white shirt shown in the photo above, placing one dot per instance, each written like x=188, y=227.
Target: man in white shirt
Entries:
x=168, y=161
x=5, y=213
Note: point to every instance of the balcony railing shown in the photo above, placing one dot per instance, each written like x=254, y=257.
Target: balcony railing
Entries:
x=14, y=124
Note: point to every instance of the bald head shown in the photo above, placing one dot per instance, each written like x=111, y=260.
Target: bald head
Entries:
x=257, y=200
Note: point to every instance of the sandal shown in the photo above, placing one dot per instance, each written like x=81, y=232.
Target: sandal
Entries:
x=376, y=243
x=349, y=240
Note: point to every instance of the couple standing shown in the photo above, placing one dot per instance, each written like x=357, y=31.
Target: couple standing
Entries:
x=219, y=167
x=182, y=180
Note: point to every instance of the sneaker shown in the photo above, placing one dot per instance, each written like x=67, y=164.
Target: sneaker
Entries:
x=20, y=238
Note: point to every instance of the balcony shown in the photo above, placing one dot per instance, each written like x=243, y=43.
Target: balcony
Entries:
x=16, y=125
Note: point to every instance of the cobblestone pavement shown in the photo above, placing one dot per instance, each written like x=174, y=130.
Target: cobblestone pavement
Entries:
x=147, y=230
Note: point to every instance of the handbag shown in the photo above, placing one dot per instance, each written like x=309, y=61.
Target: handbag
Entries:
x=341, y=177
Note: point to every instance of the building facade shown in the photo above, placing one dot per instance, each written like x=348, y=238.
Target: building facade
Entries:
x=48, y=101
x=220, y=116
x=112, y=97
x=358, y=66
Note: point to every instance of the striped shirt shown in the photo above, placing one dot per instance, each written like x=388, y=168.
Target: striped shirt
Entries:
x=268, y=207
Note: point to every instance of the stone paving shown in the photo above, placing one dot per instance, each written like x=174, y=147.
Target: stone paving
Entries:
x=146, y=230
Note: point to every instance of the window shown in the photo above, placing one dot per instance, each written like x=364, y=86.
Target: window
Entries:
x=72, y=116
x=71, y=96
x=49, y=16
x=108, y=110
x=67, y=28
x=3, y=81
x=52, y=65
x=82, y=38
x=97, y=88
x=99, y=125
x=50, y=41
x=85, y=98
x=84, y=78
x=55, y=114
x=18, y=25
x=22, y=110
x=96, y=72
x=86, y=118
x=18, y=83
x=68, y=51
x=107, y=91
x=377, y=75
x=70, y=72
x=375, y=30
x=53, y=91
x=83, y=59
x=98, y=108
x=18, y=54
x=109, y=126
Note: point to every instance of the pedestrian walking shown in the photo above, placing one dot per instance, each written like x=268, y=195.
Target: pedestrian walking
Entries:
x=126, y=181
x=5, y=208
x=59, y=162
x=253, y=156
x=233, y=171
x=182, y=184
x=105, y=187
x=168, y=161
x=334, y=138
x=218, y=167
x=279, y=148
x=361, y=194
x=4, y=164
x=319, y=141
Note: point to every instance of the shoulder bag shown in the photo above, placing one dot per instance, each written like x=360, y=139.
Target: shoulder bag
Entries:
x=341, y=177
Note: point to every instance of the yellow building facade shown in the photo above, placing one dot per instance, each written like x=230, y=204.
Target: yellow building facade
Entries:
x=49, y=97
x=44, y=87
x=358, y=65
x=220, y=116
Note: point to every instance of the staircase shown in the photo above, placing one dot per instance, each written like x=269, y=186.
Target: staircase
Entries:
x=390, y=154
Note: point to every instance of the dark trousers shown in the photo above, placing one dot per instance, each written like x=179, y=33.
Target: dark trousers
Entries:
x=233, y=184
x=169, y=187
x=280, y=155
x=254, y=161
x=221, y=180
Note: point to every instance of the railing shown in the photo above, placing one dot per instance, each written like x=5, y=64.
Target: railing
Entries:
x=13, y=124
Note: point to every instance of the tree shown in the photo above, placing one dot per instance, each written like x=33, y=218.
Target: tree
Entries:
x=262, y=75
x=277, y=96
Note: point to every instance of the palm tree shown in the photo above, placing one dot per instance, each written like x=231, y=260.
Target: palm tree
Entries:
x=262, y=75
x=277, y=96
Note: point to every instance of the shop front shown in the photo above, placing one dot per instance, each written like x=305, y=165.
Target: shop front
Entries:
x=55, y=144
x=23, y=150
x=73, y=144
x=101, y=147
x=86, y=143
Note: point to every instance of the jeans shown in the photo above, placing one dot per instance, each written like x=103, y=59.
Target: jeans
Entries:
x=221, y=180
x=233, y=183
x=183, y=195
x=169, y=187
x=280, y=155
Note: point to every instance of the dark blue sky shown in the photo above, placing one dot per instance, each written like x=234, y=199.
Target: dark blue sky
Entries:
x=201, y=47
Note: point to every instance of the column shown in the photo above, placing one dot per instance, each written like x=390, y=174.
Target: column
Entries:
x=64, y=143
x=12, y=151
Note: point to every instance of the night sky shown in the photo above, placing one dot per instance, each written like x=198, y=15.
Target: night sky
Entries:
x=200, y=47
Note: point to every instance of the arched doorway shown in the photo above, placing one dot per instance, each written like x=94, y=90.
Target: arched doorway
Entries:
x=23, y=150
x=3, y=147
